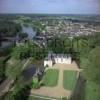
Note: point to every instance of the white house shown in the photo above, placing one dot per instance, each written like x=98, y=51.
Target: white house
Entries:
x=57, y=58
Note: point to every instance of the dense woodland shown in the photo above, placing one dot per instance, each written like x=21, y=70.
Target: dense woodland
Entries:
x=9, y=28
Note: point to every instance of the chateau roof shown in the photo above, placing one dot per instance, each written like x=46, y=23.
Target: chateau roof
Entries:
x=52, y=56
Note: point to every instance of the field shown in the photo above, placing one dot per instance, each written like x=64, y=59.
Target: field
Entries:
x=39, y=97
x=69, y=79
x=35, y=98
x=51, y=77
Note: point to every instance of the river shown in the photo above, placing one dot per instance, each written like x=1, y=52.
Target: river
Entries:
x=30, y=31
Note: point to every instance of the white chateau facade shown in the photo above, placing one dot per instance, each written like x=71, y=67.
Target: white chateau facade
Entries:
x=57, y=58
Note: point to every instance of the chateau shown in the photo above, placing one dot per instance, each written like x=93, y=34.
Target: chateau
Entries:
x=57, y=58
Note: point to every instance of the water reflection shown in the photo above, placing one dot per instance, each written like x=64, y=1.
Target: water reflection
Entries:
x=30, y=31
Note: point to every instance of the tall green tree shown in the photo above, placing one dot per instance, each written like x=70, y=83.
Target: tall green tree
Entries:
x=91, y=65
x=14, y=70
x=59, y=45
x=2, y=67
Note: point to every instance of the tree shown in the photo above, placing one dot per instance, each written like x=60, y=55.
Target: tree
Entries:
x=36, y=51
x=59, y=45
x=14, y=70
x=23, y=35
x=20, y=91
x=91, y=65
x=9, y=28
x=2, y=73
x=20, y=52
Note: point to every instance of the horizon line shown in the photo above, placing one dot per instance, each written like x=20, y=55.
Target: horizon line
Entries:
x=50, y=13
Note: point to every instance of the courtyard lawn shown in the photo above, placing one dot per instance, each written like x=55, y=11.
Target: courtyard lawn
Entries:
x=69, y=79
x=35, y=98
x=39, y=97
x=51, y=77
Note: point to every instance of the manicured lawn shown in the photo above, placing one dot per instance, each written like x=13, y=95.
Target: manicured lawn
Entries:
x=69, y=79
x=40, y=98
x=92, y=91
x=51, y=77
x=35, y=98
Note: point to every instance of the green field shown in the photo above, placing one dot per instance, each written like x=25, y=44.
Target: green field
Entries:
x=44, y=98
x=92, y=91
x=69, y=79
x=51, y=77
x=39, y=97
x=35, y=98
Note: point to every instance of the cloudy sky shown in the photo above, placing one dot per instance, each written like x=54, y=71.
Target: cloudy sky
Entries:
x=50, y=6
